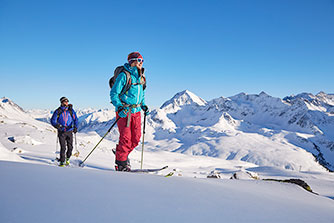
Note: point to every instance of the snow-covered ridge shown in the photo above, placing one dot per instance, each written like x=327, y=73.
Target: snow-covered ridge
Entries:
x=180, y=99
x=320, y=102
x=250, y=127
x=9, y=109
x=6, y=101
x=296, y=132
x=87, y=117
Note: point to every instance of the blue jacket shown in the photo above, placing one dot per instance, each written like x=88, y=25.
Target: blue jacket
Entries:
x=135, y=95
x=65, y=119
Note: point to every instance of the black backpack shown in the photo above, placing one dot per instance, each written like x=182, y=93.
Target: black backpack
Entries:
x=128, y=84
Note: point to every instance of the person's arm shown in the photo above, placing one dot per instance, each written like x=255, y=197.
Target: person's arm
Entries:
x=143, y=104
x=54, y=119
x=75, y=119
x=143, y=99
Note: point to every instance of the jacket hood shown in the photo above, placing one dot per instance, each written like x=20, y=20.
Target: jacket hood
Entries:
x=132, y=70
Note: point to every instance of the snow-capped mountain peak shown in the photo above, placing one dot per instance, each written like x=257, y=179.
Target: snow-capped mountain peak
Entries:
x=8, y=108
x=319, y=102
x=6, y=103
x=243, y=115
x=180, y=99
x=327, y=98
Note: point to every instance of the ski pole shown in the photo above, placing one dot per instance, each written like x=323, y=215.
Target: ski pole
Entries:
x=77, y=153
x=100, y=141
x=142, y=150
x=56, y=143
x=76, y=144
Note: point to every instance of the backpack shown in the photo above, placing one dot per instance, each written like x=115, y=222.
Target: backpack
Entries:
x=128, y=84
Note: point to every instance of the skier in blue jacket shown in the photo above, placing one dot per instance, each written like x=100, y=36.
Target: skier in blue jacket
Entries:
x=65, y=120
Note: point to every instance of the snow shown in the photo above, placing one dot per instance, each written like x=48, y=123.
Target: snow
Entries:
x=6, y=154
x=195, y=140
x=77, y=195
x=25, y=140
x=180, y=99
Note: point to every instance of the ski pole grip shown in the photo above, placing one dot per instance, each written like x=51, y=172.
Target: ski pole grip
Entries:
x=119, y=109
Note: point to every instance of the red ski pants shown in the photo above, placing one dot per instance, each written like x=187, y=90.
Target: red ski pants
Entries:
x=129, y=137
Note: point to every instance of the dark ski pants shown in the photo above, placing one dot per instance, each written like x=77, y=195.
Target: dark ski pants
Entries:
x=65, y=139
x=129, y=137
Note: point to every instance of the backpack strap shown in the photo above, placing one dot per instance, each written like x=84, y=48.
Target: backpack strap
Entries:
x=59, y=111
x=142, y=79
x=130, y=110
x=128, y=82
x=70, y=109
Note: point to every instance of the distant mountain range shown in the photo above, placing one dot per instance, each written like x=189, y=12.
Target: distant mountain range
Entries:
x=296, y=132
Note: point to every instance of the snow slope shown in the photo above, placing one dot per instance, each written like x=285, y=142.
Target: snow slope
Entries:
x=76, y=195
x=11, y=155
x=33, y=189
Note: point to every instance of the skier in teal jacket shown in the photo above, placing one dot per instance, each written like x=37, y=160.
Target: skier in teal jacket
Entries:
x=128, y=107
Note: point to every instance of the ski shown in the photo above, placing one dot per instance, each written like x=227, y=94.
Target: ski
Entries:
x=144, y=170
x=148, y=170
x=169, y=174
x=56, y=162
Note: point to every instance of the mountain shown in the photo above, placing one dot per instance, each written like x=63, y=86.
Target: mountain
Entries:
x=92, y=117
x=181, y=99
x=8, y=109
x=87, y=117
x=12, y=114
x=295, y=132
x=251, y=128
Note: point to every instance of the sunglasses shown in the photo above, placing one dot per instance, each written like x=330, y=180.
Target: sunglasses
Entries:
x=138, y=59
x=66, y=101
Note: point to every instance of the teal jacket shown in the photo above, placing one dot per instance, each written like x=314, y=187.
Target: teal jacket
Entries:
x=136, y=93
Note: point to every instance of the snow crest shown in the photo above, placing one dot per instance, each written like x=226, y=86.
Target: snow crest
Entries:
x=256, y=128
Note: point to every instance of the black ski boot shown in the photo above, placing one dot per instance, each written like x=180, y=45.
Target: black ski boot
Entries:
x=123, y=166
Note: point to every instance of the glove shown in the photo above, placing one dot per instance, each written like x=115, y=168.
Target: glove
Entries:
x=122, y=112
x=58, y=126
x=75, y=130
x=145, y=109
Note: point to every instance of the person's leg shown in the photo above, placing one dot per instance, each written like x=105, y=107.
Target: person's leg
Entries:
x=62, y=142
x=135, y=130
x=124, y=145
x=69, y=141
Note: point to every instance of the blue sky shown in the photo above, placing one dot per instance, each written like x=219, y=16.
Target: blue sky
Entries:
x=50, y=49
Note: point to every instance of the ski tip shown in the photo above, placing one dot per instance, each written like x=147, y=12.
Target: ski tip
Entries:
x=165, y=167
x=169, y=174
